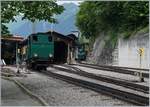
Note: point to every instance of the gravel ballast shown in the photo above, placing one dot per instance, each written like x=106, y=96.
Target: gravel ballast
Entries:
x=59, y=93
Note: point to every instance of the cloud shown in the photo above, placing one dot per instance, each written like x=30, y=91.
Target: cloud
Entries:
x=77, y=2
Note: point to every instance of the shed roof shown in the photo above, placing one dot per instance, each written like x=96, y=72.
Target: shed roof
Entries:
x=13, y=38
x=72, y=36
x=59, y=35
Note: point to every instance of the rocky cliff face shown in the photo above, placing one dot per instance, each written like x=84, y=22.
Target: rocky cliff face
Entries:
x=126, y=52
x=101, y=53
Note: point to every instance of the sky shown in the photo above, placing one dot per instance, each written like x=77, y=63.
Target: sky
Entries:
x=69, y=1
x=16, y=25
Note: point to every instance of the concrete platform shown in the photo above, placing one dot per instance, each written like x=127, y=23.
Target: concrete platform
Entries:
x=12, y=95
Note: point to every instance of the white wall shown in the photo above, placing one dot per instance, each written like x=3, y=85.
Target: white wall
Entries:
x=128, y=51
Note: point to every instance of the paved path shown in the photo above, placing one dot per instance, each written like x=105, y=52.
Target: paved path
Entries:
x=12, y=95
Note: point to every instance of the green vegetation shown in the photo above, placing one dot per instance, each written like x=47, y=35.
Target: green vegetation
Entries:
x=113, y=17
x=31, y=10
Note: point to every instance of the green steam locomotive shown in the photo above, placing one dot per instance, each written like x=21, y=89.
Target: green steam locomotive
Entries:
x=38, y=50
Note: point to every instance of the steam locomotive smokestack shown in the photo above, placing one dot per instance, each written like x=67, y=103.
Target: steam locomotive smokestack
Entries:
x=33, y=27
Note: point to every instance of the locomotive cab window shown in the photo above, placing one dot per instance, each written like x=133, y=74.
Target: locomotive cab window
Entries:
x=50, y=38
x=34, y=38
x=29, y=40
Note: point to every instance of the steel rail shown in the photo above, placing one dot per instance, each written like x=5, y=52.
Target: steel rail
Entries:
x=126, y=96
x=108, y=79
x=113, y=69
x=118, y=67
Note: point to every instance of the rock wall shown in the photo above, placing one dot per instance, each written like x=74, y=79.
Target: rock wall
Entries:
x=126, y=52
x=101, y=54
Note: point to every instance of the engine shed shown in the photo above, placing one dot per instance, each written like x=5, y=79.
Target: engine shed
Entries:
x=63, y=47
x=9, y=48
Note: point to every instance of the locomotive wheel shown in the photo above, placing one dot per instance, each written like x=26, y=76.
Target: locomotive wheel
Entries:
x=41, y=68
x=33, y=66
x=44, y=68
x=29, y=65
x=38, y=68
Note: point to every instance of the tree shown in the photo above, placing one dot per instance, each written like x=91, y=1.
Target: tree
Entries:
x=116, y=16
x=31, y=10
x=4, y=30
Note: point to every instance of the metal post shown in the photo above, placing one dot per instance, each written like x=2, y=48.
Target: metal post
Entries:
x=16, y=53
x=68, y=58
x=71, y=56
x=17, y=61
x=140, y=74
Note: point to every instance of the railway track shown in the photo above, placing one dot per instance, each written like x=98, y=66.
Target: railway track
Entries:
x=104, y=78
x=123, y=70
x=68, y=73
x=117, y=67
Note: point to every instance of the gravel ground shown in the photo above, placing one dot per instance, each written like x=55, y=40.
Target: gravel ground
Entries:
x=11, y=72
x=59, y=93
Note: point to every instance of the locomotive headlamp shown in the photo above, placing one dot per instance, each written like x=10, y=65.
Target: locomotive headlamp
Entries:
x=35, y=55
x=50, y=55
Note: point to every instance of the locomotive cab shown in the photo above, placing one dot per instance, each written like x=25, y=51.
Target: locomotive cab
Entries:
x=40, y=50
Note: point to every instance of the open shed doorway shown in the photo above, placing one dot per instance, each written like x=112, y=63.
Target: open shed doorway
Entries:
x=60, y=52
